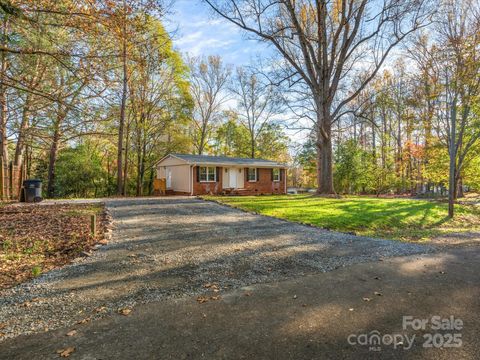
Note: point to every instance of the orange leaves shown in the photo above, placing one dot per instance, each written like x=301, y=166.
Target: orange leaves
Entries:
x=71, y=333
x=414, y=150
x=66, y=352
x=124, y=311
x=212, y=287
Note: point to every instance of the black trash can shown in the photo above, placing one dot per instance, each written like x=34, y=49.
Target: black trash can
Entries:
x=32, y=190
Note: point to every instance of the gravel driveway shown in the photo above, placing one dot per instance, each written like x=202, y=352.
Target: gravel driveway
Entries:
x=164, y=248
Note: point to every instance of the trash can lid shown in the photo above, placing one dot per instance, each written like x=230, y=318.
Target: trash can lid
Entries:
x=32, y=181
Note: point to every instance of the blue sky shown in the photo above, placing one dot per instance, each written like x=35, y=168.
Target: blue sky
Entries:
x=199, y=32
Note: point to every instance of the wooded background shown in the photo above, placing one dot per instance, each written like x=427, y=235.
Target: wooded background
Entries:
x=386, y=95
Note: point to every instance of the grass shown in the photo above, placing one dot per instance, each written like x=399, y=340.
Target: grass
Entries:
x=402, y=219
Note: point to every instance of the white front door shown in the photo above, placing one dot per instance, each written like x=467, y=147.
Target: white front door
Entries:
x=232, y=178
x=169, y=178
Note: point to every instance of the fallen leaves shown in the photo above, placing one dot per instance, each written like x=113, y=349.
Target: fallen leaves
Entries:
x=124, y=311
x=66, y=352
x=203, y=299
x=367, y=299
x=37, y=238
x=71, y=333
x=214, y=287
x=83, y=321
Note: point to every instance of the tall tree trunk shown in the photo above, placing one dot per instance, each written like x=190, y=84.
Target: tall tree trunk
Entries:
x=122, y=105
x=324, y=152
x=459, y=188
x=252, y=146
x=125, y=169
x=20, y=146
x=4, y=160
x=52, y=161
x=453, y=159
x=142, y=168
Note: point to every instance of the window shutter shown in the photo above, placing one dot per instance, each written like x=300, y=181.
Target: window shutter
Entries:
x=246, y=174
x=281, y=174
x=198, y=173
x=217, y=178
x=257, y=175
x=271, y=173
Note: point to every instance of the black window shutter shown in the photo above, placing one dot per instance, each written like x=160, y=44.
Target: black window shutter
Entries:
x=198, y=173
x=281, y=174
x=257, y=175
x=246, y=174
x=271, y=174
x=218, y=174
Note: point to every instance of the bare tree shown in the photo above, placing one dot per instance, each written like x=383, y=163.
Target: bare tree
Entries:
x=455, y=61
x=256, y=103
x=323, y=45
x=209, y=79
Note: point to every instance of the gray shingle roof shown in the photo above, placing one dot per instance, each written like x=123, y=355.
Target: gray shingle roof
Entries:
x=225, y=160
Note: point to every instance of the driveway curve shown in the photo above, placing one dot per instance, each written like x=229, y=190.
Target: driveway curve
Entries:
x=172, y=247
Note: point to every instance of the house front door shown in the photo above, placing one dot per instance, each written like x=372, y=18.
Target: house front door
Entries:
x=169, y=178
x=232, y=178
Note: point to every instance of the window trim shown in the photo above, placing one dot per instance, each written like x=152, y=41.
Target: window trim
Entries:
x=279, y=175
x=248, y=174
x=207, y=173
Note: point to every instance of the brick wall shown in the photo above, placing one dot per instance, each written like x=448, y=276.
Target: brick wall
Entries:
x=205, y=188
x=263, y=185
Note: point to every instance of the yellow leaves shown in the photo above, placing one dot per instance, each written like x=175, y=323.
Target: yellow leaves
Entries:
x=202, y=299
x=66, y=352
x=307, y=16
x=71, y=333
x=125, y=311
x=101, y=309
x=337, y=10
x=83, y=321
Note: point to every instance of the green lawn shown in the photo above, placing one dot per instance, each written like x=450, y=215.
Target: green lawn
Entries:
x=403, y=219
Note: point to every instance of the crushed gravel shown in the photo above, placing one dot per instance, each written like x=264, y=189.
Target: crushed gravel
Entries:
x=166, y=248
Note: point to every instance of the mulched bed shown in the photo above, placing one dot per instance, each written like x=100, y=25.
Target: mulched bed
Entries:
x=35, y=238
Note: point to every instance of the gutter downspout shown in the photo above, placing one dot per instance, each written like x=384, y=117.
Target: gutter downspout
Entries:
x=191, y=180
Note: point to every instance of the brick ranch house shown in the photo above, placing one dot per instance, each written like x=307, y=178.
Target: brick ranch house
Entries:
x=201, y=175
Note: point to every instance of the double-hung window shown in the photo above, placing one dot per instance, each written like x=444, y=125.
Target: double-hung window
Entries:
x=276, y=174
x=208, y=174
x=252, y=174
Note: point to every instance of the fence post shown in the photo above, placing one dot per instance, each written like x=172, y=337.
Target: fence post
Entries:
x=93, y=225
